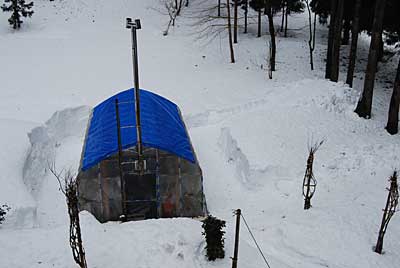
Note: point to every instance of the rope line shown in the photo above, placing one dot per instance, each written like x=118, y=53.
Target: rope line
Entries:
x=255, y=241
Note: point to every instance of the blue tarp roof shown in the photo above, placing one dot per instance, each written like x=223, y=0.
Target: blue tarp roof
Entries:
x=161, y=122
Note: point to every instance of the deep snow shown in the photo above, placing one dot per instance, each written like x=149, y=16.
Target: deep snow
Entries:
x=250, y=135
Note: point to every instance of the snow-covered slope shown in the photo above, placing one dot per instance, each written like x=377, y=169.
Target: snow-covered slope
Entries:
x=250, y=135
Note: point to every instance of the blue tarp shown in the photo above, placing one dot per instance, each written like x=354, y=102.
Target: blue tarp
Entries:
x=161, y=123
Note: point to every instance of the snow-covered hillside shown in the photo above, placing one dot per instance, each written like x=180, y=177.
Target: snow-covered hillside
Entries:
x=250, y=135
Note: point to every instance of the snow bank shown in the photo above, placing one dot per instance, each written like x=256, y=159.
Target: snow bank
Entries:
x=58, y=141
x=46, y=139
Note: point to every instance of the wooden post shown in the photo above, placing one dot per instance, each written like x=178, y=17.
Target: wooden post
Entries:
x=236, y=249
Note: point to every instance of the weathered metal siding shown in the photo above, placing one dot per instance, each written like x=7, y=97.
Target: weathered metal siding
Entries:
x=178, y=185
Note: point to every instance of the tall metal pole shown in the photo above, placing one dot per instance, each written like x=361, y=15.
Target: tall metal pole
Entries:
x=136, y=26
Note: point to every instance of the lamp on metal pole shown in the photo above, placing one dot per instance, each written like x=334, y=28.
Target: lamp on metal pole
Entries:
x=133, y=26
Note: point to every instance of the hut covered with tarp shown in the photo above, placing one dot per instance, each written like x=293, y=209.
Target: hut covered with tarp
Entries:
x=169, y=180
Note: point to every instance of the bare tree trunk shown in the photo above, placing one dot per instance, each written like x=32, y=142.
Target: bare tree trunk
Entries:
x=336, y=42
x=219, y=8
x=179, y=8
x=230, y=32
x=283, y=15
x=393, y=119
x=259, y=24
x=286, y=22
x=381, y=47
x=246, y=11
x=364, y=105
x=311, y=41
x=187, y=3
x=354, y=43
x=235, y=21
x=330, y=39
x=269, y=60
x=268, y=11
x=346, y=32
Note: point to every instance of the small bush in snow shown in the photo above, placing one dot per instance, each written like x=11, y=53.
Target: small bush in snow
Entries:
x=214, y=237
x=70, y=191
x=391, y=207
x=309, y=182
x=18, y=8
x=3, y=211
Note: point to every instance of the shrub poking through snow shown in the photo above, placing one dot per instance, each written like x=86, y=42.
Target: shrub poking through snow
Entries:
x=309, y=181
x=70, y=190
x=3, y=211
x=214, y=237
x=388, y=212
x=18, y=8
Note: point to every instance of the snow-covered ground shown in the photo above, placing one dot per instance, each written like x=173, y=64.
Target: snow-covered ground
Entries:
x=250, y=135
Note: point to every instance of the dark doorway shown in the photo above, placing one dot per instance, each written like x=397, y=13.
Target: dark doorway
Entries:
x=141, y=196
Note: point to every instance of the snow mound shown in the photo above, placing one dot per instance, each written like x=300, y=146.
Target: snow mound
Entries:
x=251, y=177
x=337, y=98
x=58, y=141
x=235, y=156
x=46, y=139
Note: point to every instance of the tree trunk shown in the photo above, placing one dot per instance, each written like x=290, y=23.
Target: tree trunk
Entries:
x=381, y=47
x=337, y=36
x=354, y=43
x=311, y=40
x=330, y=39
x=219, y=8
x=259, y=24
x=246, y=11
x=268, y=12
x=393, y=119
x=230, y=32
x=346, y=32
x=235, y=21
x=364, y=106
x=283, y=15
x=179, y=8
x=286, y=22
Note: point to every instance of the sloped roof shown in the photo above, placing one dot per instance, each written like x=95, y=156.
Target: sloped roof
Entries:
x=161, y=124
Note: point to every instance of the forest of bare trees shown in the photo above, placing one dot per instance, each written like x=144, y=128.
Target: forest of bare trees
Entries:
x=345, y=20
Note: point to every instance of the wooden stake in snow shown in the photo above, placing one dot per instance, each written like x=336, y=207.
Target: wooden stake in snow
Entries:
x=388, y=212
x=309, y=182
